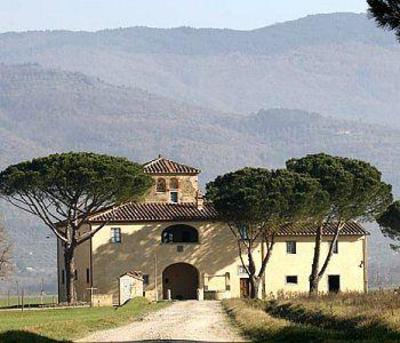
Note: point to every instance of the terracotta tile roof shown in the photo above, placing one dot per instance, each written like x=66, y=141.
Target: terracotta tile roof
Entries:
x=154, y=212
x=143, y=212
x=135, y=274
x=163, y=165
x=350, y=229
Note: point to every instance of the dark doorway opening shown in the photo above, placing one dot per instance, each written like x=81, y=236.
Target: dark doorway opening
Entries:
x=334, y=283
x=183, y=281
x=244, y=288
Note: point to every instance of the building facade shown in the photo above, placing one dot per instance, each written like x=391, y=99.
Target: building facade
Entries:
x=183, y=251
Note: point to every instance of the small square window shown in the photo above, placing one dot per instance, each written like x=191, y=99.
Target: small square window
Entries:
x=115, y=235
x=244, y=233
x=336, y=247
x=179, y=248
x=242, y=270
x=173, y=197
x=292, y=279
x=291, y=247
x=173, y=183
x=161, y=185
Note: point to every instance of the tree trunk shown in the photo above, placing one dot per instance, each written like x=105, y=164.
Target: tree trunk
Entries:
x=330, y=252
x=254, y=282
x=70, y=274
x=254, y=287
x=316, y=274
x=314, y=279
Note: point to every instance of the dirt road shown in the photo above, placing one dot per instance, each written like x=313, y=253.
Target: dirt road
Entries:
x=193, y=321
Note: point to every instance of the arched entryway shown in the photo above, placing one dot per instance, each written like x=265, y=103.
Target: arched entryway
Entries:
x=182, y=279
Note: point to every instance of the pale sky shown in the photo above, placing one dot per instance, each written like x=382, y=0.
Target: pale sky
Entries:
x=91, y=15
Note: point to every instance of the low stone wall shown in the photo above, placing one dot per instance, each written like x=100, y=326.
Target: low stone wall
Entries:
x=100, y=300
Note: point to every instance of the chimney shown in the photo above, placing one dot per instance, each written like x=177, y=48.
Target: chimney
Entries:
x=199, y=200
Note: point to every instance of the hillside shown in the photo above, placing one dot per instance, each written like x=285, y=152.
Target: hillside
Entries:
x=340, y=65
x=44, y=110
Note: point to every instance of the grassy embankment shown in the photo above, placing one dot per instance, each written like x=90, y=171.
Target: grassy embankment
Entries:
x=67, y=324
x=373, y=317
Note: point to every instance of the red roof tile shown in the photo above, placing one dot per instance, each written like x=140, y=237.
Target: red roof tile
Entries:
x=142, y=212
x=163, y=165
x=350, y=229
x=154, y=212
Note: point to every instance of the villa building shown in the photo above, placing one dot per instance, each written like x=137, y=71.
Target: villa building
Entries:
x=175, y=243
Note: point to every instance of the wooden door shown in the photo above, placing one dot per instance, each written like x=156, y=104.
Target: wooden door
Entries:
x=244, y=288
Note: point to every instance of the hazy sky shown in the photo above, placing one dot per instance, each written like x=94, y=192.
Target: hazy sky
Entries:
x=21, y=15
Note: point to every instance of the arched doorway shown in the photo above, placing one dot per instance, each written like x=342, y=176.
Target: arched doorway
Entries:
x=182, y=279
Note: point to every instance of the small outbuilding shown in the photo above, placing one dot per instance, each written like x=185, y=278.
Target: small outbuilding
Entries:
x=130, y=286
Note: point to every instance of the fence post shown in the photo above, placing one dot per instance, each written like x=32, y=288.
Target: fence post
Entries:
x=8, y=298
x=22, y=299
x=41, y=292
x=17, y=293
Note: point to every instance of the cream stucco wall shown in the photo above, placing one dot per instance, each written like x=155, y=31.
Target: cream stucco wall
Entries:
x=348, y=263
x=215, y=255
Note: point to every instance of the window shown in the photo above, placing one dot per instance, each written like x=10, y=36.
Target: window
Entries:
x=291, y=247
x=291, y=279
x=161, y=185
x=334, y=283
x=115, y=235
x=180, y=234
x=76, y=274
x=87, y=275
x=173, y=183
x=242, y=270
x=173, y=197
x=63, y=277
x=336, y=247
x=145, y=279
x=244, y=232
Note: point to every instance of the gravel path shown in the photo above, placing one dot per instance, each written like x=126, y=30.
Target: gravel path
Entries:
x=184, y=321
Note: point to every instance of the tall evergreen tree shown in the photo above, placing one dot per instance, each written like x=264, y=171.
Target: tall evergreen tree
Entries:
x=389, y=222
x=386, y=13
x=64, y=190
x=356, y=192
x=255, y=203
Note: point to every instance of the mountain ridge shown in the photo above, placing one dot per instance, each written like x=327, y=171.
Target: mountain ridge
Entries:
x=339, y=65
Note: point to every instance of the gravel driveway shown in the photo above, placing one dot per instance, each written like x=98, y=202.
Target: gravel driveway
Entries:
x=194, y=321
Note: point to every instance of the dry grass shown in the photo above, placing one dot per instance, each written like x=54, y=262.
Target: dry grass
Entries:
x=259, y=326
x=59, y=325
x=373, y=317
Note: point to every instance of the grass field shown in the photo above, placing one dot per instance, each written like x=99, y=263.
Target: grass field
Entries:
x=29, y=301
x=67, y=324
x=373, y=317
